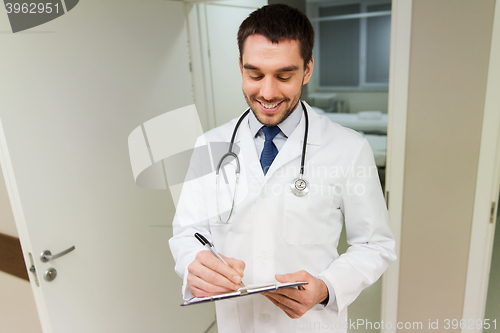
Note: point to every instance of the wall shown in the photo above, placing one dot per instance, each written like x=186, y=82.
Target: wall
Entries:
x=449, y=57
x=17, y=308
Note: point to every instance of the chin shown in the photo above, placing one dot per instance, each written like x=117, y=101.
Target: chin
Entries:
x=273, y=119
x=266, y=119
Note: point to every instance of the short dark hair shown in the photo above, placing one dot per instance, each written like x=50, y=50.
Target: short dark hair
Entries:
x=279, y=22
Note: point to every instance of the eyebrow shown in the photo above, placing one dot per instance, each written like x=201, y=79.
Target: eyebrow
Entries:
x=284, y=69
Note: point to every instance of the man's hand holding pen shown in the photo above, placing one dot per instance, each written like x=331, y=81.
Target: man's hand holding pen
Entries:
x=212, y=274
x=209, y=276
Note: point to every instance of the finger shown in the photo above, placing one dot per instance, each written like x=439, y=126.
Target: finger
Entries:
x=237, y=265
x=291, y=303
x=211, y=276
x=299, y=296
x=283, y=278
x=202, y=288
x=200, y=293
x=300, y=276
x=291, y=293
x=285, y=309
x=210, y=261
x=287, y=305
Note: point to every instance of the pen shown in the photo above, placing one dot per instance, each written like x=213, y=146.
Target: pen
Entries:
x=210, y=246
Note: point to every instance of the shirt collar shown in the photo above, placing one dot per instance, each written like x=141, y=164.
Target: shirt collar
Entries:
x=287, y=126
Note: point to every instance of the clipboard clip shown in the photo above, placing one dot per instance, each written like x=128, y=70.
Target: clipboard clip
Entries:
x=243, y=291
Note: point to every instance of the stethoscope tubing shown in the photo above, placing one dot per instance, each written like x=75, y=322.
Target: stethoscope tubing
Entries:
x=298, y=192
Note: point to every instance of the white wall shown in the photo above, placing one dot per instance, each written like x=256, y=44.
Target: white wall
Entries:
x=446, y=103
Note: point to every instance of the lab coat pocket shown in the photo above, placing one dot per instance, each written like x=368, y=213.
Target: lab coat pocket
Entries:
x=305, y=218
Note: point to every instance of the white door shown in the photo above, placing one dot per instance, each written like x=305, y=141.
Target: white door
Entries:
x=213, y=31
x=226, y=77
x=71, y=91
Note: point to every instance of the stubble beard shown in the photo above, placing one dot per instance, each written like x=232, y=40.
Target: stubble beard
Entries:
x=287, y=113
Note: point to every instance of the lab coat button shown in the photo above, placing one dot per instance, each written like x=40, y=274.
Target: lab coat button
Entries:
x=264, y=317
x=264, y=194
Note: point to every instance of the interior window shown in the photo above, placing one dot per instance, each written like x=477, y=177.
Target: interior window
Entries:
x=353, y=44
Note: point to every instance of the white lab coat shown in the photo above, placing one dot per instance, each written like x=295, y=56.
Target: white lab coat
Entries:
x=275, y=232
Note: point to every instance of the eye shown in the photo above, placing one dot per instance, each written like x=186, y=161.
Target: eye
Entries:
x=255, y=78
x=284, y=79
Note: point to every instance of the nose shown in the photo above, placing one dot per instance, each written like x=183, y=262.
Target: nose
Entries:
x=268, y=89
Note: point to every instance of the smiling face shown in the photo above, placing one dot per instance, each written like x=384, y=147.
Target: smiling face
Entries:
x=273, y=76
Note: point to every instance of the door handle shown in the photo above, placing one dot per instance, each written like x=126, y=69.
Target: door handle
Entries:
x=47, y=255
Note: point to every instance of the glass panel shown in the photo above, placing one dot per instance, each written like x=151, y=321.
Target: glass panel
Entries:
x=378, y=49
x=378, y=8
x=339, y=53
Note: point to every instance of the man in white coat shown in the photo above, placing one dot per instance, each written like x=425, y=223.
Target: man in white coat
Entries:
x=273, y=234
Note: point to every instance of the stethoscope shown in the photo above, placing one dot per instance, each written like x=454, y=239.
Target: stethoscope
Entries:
x=299, y=186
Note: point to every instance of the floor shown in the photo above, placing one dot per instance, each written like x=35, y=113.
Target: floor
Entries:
x=212, y=329
x=18, y=313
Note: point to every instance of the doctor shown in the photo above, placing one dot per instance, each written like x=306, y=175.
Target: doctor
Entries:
x=272, y=233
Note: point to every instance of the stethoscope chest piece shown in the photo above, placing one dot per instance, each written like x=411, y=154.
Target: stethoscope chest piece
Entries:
x=299, y=187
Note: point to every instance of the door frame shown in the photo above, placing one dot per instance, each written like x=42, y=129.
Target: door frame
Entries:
x=199, y=52
x=396, y=144
x=487, y=190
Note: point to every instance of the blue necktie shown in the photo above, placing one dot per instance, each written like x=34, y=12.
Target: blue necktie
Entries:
x=270, y=151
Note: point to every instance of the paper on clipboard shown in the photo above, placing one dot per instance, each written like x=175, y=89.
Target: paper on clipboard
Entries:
x=249, y=290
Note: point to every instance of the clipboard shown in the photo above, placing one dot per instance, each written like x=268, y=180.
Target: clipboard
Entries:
x=248, y=290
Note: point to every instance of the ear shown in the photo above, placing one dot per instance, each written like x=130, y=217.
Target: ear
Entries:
x=308, y=71
x=241, y=65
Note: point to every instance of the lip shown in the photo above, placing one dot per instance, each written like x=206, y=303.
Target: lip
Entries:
x=270, y=111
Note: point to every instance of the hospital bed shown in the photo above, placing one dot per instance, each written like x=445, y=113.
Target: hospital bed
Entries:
x=371, y=124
